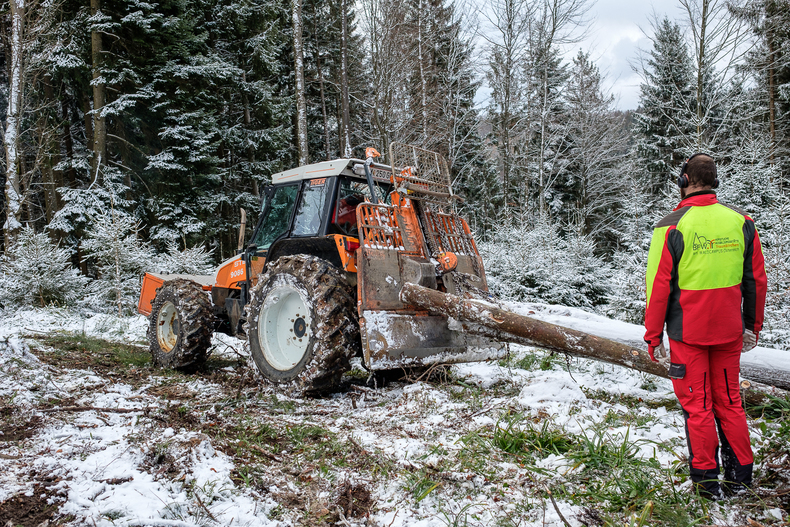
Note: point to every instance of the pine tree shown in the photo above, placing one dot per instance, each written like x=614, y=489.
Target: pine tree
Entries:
x=750, y=181
x=505, y=113
x=120, y=256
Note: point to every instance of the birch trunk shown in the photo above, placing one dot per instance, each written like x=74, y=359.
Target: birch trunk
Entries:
x=99, y=123
x=301, y=103
x=13, y=196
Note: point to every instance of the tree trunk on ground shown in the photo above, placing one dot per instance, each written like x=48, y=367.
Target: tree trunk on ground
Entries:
x=301, y=103
x=99, y=123
x=344, y=100
x=486, y=319
x=13, y=188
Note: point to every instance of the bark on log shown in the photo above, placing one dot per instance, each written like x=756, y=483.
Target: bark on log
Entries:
x=483, y=318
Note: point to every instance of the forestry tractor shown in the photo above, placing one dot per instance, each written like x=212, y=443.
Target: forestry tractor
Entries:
x=319, y=282
x=353, y=258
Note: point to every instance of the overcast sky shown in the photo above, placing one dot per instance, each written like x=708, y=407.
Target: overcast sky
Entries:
x=617, y=31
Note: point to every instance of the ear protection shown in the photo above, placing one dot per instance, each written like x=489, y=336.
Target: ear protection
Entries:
x=683, y=179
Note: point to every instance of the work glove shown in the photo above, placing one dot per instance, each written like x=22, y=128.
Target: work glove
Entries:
x=659, y=354
x=749, y=340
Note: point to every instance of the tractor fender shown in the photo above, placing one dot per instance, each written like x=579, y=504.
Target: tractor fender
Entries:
x=323, y=247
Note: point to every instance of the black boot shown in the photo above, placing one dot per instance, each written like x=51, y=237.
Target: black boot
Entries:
x=706, y=484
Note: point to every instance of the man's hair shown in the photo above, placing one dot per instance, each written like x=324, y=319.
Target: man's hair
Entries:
x=701, y=171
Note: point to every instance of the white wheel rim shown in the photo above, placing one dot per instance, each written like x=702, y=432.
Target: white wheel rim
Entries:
x=284, y=327
x=167, y=326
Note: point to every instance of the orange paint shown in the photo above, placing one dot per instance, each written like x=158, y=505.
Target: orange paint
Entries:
x=150, y=284
x=348, y=255
x=230, y=274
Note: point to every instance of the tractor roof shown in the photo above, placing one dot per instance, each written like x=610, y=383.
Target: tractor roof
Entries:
x=336, y=167
x=316, y=170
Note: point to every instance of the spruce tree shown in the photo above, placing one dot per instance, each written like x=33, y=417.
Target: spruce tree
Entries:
x=664, y=122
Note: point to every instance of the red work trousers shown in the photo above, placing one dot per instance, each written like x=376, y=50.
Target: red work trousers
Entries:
x=706, y=382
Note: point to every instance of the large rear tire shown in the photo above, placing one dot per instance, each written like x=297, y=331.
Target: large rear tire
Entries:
x=179, y=333
x=302, y=324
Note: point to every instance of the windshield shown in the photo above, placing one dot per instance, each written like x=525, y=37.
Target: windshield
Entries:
x=360, y=188
x=276, y=222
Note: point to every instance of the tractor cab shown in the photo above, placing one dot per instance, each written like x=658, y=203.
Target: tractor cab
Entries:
x=307, y=210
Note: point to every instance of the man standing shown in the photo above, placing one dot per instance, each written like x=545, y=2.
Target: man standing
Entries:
x=706, y=280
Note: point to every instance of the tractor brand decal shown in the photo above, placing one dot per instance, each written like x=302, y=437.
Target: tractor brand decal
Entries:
x=318, y=182
x=715, y=245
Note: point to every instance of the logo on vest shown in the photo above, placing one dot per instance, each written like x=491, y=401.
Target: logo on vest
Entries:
x=714, y=245
x=701, y=242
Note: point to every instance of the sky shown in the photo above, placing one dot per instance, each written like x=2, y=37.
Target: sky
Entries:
x=617, y=30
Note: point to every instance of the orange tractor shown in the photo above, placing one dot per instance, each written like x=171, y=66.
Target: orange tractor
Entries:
x=319, y=282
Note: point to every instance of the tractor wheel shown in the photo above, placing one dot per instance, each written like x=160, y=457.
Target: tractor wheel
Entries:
x=302, y=324
x=182, y=322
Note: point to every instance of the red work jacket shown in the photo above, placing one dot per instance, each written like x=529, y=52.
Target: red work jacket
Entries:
x=705, y=274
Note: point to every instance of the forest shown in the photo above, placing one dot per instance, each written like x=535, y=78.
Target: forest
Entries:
x=135, y=131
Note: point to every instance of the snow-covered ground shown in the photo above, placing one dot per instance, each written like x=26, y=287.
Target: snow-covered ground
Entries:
x=221, y=448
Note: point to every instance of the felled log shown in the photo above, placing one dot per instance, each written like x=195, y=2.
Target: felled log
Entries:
x=486, y=319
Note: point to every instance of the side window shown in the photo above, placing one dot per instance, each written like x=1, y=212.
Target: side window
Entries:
x=281, y=206
x=360, y=188
x=353, y=192
x=311, y=208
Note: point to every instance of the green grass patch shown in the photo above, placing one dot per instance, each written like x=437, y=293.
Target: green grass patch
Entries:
x=534, y=360
x=419, y=485
x=630, y=401
x=75, y=350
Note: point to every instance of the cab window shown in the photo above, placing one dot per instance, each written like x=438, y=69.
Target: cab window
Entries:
x=353, y=192
x=311, y=208
x=276, y=222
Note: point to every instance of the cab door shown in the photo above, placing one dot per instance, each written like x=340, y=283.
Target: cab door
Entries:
x=276, y=219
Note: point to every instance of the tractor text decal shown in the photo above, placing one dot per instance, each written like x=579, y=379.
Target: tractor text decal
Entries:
x=238, y=269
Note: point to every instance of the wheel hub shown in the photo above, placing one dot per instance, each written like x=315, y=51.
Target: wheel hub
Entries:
x=300, y=327
x=167, y=327
x=284, y=327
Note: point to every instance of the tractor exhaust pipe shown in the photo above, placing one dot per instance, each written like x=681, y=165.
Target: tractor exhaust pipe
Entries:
x=242, y=228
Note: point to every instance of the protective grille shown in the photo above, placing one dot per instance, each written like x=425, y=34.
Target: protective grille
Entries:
x=422, y=172
x=378, y=227
x=450, y=233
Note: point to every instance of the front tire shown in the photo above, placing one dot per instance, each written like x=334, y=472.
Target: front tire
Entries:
x=302, y=324
x=179, y=332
